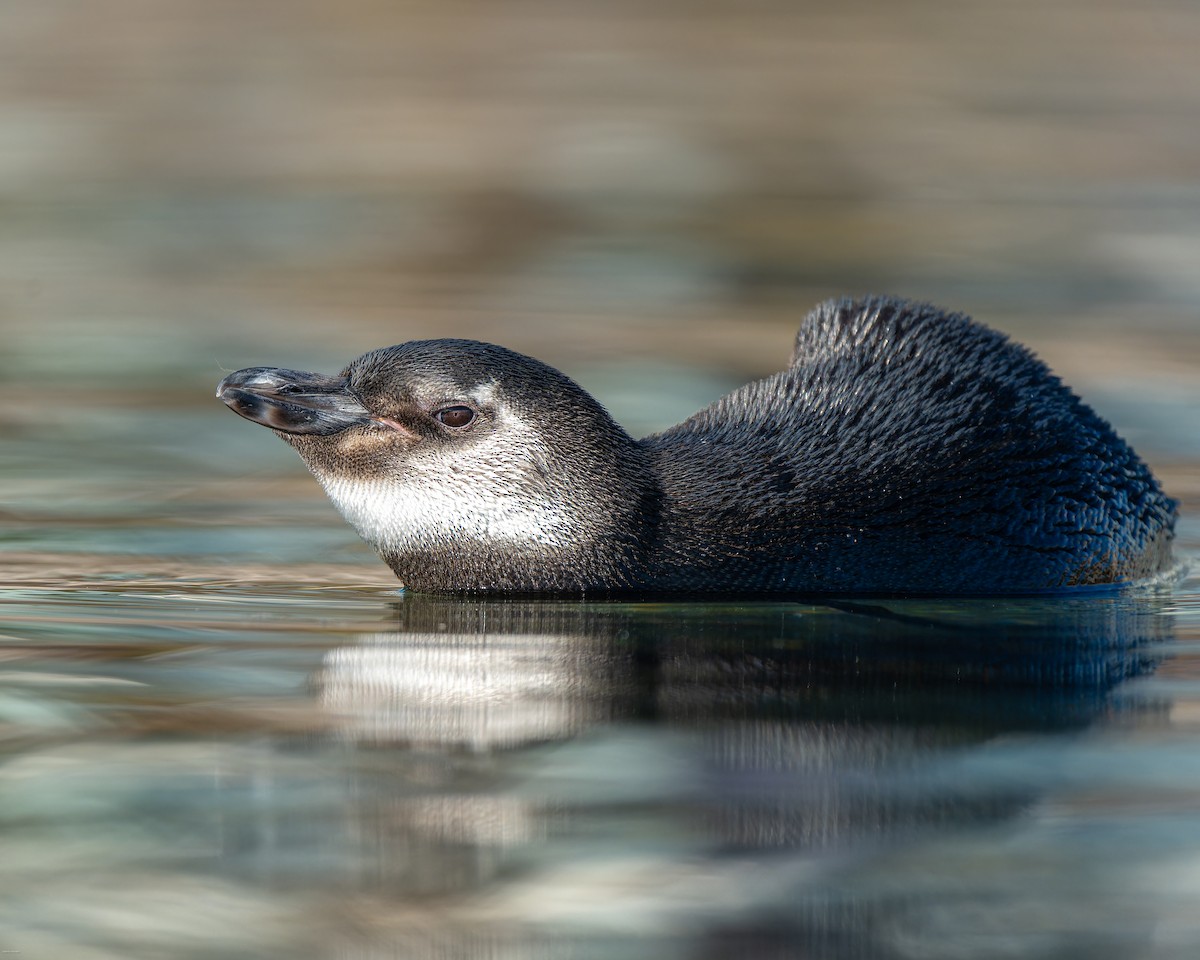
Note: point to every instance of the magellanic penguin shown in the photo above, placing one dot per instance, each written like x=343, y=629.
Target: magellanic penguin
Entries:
x=904, y=450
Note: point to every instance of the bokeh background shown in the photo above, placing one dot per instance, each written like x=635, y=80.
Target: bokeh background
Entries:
x=643, y=193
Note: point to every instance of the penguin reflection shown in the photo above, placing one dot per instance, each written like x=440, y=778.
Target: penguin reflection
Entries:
x=545, y=735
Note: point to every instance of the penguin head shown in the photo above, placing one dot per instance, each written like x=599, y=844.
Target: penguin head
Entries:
x=454, y=445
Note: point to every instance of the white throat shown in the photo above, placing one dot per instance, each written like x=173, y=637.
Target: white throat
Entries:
x=421, y=511
x=489, y=493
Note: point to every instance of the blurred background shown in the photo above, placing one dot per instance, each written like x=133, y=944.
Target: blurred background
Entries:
x=647, y=194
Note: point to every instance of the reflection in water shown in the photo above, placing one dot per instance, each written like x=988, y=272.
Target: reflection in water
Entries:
x=219, y=737
x=227, y=772
x=766, y=774
x=477, y=690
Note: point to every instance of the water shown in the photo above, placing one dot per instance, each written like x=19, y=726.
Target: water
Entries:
x=223, y=733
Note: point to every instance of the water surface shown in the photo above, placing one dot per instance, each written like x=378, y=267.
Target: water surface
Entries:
x=222, y=731
x=216, y=744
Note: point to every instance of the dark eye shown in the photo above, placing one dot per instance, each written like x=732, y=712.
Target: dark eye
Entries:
x=457, y=416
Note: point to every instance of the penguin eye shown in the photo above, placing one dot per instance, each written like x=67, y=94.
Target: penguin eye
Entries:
x=456, y=416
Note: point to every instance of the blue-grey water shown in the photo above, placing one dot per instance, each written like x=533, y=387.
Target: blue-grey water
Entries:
x=224, y=733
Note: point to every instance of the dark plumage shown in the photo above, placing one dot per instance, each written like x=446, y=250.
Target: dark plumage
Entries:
x=904, y=450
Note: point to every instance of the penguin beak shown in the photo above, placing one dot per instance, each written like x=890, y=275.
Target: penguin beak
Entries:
x=291, y=401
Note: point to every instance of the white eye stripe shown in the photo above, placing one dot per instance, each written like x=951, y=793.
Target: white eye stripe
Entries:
x=484, y=394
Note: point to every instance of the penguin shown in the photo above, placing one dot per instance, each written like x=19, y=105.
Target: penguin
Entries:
x=905, y=450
